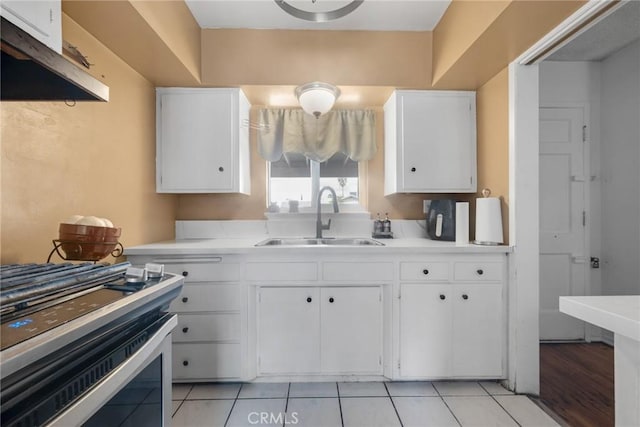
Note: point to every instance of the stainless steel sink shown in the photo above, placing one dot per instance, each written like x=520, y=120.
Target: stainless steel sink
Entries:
x=327, y=241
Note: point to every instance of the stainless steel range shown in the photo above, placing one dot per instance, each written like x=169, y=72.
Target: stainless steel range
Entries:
x=86, y=344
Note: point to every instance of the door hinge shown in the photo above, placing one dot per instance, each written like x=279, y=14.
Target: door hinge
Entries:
x=584, y=133
x=398, y=364
x=380, y=360
x=51, y=16
x=399, y=293
x=380, y=297
x=584, y=218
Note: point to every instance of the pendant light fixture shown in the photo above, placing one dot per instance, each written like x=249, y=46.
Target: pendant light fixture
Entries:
x=317, y=16
x=317, y=98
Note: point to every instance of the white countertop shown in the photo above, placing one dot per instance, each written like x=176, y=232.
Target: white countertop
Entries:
x=247, y=245
x=619, y=314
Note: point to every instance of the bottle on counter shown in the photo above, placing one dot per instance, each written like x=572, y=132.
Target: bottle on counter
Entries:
x=386, y=224
x=377, y=225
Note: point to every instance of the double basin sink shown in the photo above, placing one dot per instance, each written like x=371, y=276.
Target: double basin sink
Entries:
x=326, y=241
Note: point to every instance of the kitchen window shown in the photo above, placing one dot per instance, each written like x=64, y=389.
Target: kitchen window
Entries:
x=295, y=177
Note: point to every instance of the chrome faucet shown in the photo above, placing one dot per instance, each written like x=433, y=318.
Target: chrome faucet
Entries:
x=319, y=225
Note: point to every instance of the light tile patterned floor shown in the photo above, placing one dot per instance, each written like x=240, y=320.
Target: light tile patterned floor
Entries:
x=369, y=404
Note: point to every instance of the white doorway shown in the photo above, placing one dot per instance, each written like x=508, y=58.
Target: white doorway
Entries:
x=564, y=177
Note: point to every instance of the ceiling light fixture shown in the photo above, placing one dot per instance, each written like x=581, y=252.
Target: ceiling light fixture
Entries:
x=318, y=16
x=317, y=98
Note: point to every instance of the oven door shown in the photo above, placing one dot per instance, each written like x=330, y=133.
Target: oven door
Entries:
x=137, y=392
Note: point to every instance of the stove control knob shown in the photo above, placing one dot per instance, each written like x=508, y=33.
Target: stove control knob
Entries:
x=136, y=275
x=154, y=271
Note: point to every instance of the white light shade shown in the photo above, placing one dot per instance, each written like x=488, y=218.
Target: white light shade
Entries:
x=317, y=98
x=488, y=221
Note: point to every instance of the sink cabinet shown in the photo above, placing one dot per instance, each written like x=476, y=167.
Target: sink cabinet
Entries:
x=320, y=330
x=430, y=142
x=202, y=140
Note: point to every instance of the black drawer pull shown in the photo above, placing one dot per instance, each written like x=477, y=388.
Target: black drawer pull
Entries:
x=465, y=296
x=413, y=169
x=480, y=272
x=221, y=169
x=442, y=297
x=185, y=363
x=425, y=272
x=185, y=273
x=185, y=330
x=309, y=299
x=185, y=299
x=331, y=299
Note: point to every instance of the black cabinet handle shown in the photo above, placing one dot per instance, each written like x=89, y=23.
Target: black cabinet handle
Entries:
x=185, y=363
x=221, y=169
x=309, y=299
x=185, y=273
x=465, y=296
x=185, y=330
x=480, y=272
x=425, y=271
x=331, y=299
x=185, y=299
x=413, y=169
x=442, y=297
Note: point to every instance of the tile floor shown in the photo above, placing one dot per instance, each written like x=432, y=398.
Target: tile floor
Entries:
x=368, y=404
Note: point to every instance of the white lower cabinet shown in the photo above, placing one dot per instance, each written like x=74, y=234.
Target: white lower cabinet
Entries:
x=451, y=330
x=320, y=330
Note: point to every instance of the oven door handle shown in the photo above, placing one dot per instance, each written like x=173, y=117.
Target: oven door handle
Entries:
x=160, y=343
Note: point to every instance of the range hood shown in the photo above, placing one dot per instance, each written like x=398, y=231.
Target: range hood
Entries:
x=31, y=71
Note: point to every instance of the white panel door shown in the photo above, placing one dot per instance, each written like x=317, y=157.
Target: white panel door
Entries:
x=563, y=258
x=438, y=141
x=425, y=330
x=477, y=330
x=351, y=330
x=196, y=131
x=288, y=330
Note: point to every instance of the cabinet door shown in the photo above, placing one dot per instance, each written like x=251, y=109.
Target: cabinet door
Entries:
x=351, y=330
x=42, y=19
x=288, y=330
x=425, y=330
x=477, y=330
x=195, y=140
x=438, y=142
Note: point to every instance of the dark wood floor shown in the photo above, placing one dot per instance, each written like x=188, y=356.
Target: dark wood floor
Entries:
x=576, y=382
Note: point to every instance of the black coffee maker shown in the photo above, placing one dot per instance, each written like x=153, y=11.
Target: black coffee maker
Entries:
x=441, y=220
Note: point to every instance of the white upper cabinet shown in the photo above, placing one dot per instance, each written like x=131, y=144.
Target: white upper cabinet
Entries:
x=41, y=19
x=202, y=141
x=430, y=142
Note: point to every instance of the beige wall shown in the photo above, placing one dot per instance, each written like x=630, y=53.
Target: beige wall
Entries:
x=89, y=159
x=492, y=103
x=288, y=57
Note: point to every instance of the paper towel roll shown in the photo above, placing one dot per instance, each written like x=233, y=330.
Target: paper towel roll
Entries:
x=488, y=221
x=462, y=223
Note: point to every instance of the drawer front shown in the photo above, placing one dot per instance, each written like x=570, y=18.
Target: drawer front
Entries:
x=206, y=272
x=424, y=271
x=281, y=271
x=357, y=271
x=207, y=327
x=478, y=271
x=205, y=361
x=207, y=297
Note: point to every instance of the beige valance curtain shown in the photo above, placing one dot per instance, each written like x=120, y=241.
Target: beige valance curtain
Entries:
x=352, y=132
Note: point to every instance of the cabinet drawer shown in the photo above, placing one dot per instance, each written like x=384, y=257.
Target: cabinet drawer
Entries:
x=424, y=271
x=282, y=271
x=206, y=271
x=207, y=297
x=357, y=271
x=205, y=361
x=207, y=327
x=478, y=271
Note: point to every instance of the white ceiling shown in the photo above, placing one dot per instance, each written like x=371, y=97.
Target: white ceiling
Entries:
x=372, y=15
x=607, y=36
